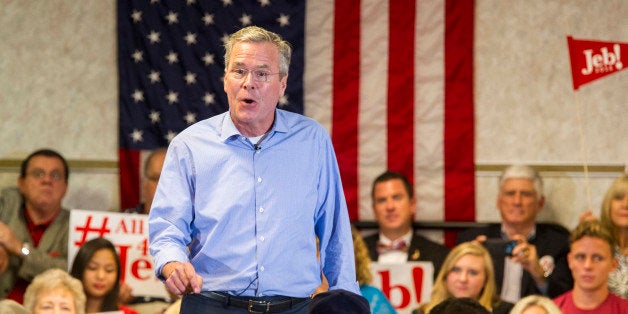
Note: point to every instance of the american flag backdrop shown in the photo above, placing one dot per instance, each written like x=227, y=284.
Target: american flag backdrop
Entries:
x=391, y=80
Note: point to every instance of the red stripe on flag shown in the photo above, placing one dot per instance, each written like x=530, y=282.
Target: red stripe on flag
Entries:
x=400, y=109
x=129, y=162
x=459, y=118
x=346, y=91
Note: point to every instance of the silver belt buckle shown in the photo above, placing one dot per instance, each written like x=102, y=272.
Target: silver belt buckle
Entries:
x=253, y=303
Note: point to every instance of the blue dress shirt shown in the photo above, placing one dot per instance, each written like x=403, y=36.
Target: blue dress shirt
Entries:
x=246, y=218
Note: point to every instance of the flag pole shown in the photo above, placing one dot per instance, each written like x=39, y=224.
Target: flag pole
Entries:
x=583, y=145
x=583, y=150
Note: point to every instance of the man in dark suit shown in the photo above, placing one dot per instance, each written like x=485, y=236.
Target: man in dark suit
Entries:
x=536, y=263
x=394, y=205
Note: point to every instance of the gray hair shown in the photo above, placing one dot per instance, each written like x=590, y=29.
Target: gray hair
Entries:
x=522, y=172
x=257, y=34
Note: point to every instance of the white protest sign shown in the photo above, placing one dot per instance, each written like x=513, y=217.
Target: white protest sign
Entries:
x=129, y=234
x=406, y=285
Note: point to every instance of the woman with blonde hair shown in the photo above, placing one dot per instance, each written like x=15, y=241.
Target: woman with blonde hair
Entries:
x=614, y=217
x=55, y=291
x=467, y=273
x=535, y=304
x=376, y=298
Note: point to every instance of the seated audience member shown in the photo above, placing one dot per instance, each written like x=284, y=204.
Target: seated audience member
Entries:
x=338, y=302
x=538, y=262
x=33, y=224
x=152, y=172
x=467, y=273
x=55, y=291
x=459, y=306
x=591, y=260
x=535, y=304
x=376, y=298
x=97, y=266
x=394, y=205
x=614, y=213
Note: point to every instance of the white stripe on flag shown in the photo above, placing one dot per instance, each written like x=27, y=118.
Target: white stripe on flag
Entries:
x=372, y=138
x=429, y=114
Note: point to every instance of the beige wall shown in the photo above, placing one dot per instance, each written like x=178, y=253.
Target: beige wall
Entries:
x=58, y=89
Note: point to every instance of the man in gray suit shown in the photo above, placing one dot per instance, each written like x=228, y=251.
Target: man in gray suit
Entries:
x=535, y=262
x=33, y=225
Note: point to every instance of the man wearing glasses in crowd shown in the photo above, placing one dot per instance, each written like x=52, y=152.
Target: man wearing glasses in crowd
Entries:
x=33, y=225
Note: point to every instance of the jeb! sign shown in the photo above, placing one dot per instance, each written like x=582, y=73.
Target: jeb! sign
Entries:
x=129, y=234
x=591, y=59
x=405, y=285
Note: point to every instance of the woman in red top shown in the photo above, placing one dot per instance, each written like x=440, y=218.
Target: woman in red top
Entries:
x=97, y=265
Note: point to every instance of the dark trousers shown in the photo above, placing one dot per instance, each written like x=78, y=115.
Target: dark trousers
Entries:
x=199, y=304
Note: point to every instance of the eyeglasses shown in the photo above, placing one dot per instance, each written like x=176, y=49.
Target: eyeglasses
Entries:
x=258, y=75
x=41, y=174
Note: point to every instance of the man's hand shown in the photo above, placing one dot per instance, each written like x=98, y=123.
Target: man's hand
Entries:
x=182, y=278
x=526, y=255
x=4, y=259
x=11, y=243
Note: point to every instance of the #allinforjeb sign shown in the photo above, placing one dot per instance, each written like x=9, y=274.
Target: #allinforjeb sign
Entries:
x=129, y=234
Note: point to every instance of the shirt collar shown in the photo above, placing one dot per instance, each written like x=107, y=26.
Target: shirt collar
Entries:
x=406, y=237
x=229, y=129
x=530, y=235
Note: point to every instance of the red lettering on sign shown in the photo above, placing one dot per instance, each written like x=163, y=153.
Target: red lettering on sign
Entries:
x=387, y=289
x=141, y=265
x=143, y=247
x=123, y=257
x=131, y=226
x=417, y=275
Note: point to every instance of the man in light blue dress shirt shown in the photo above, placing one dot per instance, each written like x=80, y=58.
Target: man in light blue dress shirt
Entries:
x=243, y=195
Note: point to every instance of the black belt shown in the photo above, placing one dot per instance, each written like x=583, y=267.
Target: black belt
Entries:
x=252, y=305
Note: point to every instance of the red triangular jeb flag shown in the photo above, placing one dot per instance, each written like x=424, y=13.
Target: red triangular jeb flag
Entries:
x=591, y=60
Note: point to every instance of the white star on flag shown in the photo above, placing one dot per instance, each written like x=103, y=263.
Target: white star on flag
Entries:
x=208, y=99
x=208, y=59
x=208, y=19
x=190, y=117
x=190, y=38
x=137, y=135
x=172, y=17
x=154, y=37
x=154, y=117
x=170, y=135
x=190, y=78
x=172, y=57
x=284, y=20
x=138, y=95
x=172, y=97
x=137, y=56
x=246, y=20
x=136, y=16
x=153, y=76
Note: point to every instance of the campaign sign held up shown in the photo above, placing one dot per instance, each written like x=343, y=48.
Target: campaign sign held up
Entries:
x=405, y=285
x=129, y=234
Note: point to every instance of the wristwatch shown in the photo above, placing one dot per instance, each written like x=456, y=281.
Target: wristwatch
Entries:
x=26, y=249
